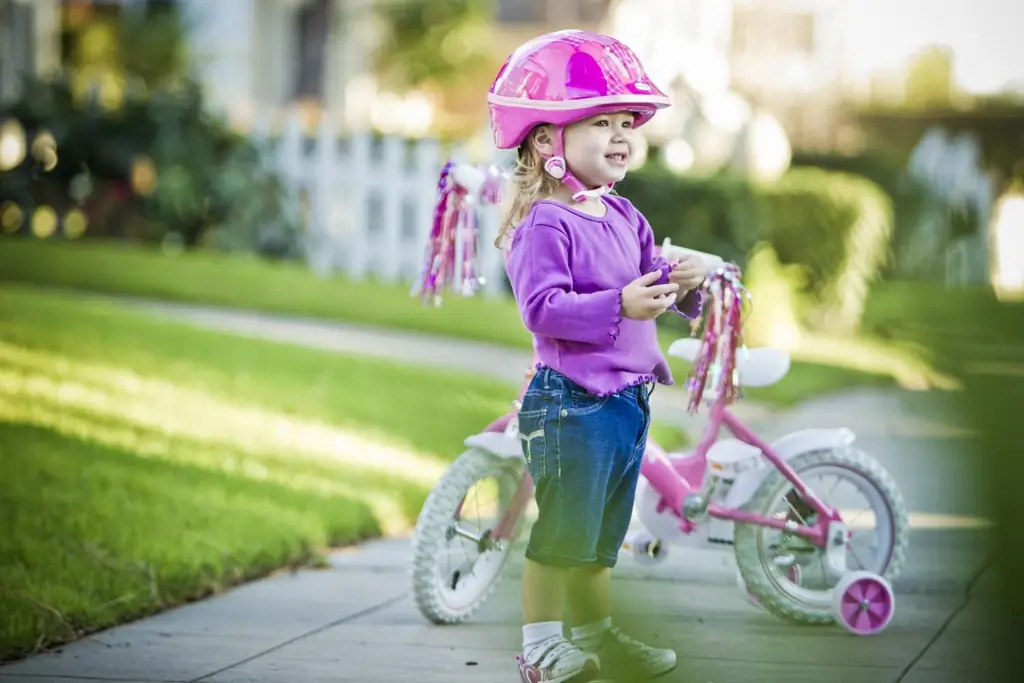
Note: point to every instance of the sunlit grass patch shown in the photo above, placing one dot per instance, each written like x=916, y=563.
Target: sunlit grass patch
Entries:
x=146, y=463
x=819, y=365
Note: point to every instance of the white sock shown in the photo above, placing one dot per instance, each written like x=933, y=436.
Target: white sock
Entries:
x=536, y=633
x=590, y=634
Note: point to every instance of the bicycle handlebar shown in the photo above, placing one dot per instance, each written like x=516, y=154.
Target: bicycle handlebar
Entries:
x=669, y=250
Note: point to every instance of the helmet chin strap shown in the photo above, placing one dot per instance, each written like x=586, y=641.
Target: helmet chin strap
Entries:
x=556, y=167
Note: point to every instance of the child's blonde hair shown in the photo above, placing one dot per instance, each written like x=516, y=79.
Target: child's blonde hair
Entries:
x=528, y=184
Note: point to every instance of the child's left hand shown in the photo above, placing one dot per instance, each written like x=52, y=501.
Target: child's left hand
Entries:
x=688, y=271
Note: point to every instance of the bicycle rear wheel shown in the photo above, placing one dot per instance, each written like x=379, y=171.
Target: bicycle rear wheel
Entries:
x=880, y=534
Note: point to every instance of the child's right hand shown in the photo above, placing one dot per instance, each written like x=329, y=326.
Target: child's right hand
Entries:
x=642, y=299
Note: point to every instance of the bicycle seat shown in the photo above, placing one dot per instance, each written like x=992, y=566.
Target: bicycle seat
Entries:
x=760, y=367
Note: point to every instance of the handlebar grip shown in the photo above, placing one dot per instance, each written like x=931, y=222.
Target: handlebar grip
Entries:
x=669, y=250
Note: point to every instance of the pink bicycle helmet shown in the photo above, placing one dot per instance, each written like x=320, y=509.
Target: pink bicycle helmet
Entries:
x=560, y=78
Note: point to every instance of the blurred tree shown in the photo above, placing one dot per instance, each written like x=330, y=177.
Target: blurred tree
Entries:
x=444, y=48
x=434, y=43
x=151, y=44
x=112, y=49
x=132, y=144
x=930, y=82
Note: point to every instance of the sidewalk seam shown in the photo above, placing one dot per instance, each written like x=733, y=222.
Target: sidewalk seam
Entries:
x=319, y=629
x=945, y=625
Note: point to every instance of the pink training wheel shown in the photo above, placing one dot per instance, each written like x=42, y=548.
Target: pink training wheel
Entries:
x=863, y=603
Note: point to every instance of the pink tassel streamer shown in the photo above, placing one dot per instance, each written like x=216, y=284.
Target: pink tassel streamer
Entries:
x=491, y=191
x=454, y=231
x=715, y=365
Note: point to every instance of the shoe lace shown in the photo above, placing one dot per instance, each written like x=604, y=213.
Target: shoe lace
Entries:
x=632, y=647
x=547, y=655
x=627, y=642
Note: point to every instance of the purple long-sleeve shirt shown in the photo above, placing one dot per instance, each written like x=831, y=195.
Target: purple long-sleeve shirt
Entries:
x=567, y=270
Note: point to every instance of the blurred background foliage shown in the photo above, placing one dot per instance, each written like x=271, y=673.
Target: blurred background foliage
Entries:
x=123, y=143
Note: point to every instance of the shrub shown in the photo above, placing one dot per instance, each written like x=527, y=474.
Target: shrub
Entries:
x=911, y=199
x=719, y=214
x=837, y=226
x=833, y=227
x=152, y=164
x=773, y=319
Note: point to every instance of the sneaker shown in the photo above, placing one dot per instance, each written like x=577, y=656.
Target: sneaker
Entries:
x=627, y=659
x=556, y=660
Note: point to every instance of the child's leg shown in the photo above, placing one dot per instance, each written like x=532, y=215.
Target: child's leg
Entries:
x=545, y=648
x=570, y=498
x=543, y=593
x=622, y=658
x=589, y=594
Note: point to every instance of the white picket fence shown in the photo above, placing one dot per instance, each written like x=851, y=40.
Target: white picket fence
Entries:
x=952, y=165
x=367, y=203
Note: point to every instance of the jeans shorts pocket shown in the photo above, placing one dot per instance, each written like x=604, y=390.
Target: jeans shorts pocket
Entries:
x=533, y=441
x=582, y=403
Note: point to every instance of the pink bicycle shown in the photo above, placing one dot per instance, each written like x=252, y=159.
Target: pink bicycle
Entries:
x=798, y=556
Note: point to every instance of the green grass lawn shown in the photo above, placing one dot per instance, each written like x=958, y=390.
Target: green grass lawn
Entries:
x=251, y=283
x=819, y=365
x=146, y=463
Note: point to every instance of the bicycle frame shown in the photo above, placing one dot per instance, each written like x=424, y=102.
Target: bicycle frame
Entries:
x=672, y=480
x=720, y=479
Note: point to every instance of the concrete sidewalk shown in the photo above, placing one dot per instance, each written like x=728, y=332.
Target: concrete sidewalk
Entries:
x=355, y=622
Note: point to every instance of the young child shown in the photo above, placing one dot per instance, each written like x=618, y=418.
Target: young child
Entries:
x=582, y=267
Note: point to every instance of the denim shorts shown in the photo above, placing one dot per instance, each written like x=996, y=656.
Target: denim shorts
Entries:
x=583, y=453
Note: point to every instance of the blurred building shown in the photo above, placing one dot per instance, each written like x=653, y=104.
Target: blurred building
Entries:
x=787, y=55
x=519, y=20
x=259, y=57
x=783, y=55
x=254, y=56
x=318, y=53
x=29, y=42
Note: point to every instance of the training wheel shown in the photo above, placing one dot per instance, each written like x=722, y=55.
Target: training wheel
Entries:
x=863, y=603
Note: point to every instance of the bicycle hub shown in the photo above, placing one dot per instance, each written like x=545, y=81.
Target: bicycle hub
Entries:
x=694, y=505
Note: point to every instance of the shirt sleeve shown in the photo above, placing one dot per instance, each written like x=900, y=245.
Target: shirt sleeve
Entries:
x=538, y=270
x=692, y=303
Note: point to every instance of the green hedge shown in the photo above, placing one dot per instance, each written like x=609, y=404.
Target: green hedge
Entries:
x=838, y=227
x=911, y=198
x=720, y=215
x=835, y=227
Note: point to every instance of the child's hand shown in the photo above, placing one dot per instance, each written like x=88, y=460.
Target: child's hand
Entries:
x=688, y=272
x=642, y=299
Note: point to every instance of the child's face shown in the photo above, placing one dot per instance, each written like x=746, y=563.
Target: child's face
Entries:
x=598, y=149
